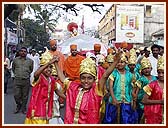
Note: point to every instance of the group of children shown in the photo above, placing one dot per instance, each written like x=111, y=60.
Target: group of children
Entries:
x=134, y=95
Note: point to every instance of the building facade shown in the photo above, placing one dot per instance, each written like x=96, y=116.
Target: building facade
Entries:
x=153, y=21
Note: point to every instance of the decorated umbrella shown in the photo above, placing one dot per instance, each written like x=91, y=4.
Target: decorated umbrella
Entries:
x=73, y=28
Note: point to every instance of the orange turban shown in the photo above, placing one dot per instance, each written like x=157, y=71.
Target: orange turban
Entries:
x=109, y=50
x=52, y=42
x=124, y=45
x=97, y=47
x=73, y=46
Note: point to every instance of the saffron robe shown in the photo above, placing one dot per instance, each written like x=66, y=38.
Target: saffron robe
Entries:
x=72, y=66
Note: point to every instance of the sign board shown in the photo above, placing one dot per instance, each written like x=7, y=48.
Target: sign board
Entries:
x=129, y=24
x=12, y=38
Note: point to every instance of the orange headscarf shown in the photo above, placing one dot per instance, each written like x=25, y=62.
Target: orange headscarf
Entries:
x=52, y=42
x=109, y=50
x=97, y=47
x=73, y=46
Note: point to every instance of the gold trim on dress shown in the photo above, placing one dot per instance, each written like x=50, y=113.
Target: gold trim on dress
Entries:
x=77, y=105
x=98, y=91
x=32, y=113
x=66, y=83
x=40, y=118
x=147, y=89
x=138, y=84
x=111, y=77
x=55, y=87
x=122, y=88
x=133, y=81
x=49, y=90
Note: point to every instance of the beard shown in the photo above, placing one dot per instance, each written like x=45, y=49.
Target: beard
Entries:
x=54, y=49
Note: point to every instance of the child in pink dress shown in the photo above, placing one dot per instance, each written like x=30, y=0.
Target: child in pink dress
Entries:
x=153, y=99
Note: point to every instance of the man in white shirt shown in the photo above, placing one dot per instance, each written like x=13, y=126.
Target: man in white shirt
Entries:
x=154, y=59
x=36, y=60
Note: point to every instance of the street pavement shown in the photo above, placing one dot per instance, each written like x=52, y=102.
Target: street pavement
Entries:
x=8, y=107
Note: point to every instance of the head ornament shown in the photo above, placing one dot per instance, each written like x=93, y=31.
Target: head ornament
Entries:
x=88, y=66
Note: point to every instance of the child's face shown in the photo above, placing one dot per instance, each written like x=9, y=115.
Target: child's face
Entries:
x=160, y=74
x=47, y=71
x=87, y=80
x=147, y=71
x=131, y=66
x=121, y=64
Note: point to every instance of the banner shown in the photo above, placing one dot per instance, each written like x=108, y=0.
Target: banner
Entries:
x=130, y=24
x=12, y=38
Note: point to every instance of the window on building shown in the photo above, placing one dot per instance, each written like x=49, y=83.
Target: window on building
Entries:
x=148, y=11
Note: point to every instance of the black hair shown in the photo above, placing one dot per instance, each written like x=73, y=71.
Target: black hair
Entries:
x=145, y=49
x=24, y=48
x=155, y=46
x=161, y=47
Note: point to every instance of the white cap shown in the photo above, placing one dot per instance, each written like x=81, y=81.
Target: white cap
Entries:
x=100, y=58
x=89, y=54
x=141, y=48
x=137, y=51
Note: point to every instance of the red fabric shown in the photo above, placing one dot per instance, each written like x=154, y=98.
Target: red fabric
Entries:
x=153, y=113
x=83, y=53
x=89, y=107
x=100, y=71
x=130, y=45
x=39, y=98
x=71, y=26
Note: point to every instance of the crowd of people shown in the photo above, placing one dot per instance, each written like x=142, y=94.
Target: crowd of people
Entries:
x=124, y=87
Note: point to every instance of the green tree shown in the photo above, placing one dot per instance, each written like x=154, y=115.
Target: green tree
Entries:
x=44, y=18
x=35, y=34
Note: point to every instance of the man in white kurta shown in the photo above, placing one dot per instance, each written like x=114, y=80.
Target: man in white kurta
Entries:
x=154, y=59
x=36, y=61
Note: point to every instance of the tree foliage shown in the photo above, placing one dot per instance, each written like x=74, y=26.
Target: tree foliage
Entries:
x=74, y=8
x=44, y=18
x=35, y=34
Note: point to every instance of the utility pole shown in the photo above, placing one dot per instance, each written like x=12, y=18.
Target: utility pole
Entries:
x=6, y=38
x=19, y=29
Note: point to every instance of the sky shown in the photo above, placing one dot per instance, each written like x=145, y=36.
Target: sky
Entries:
x=91, y=19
